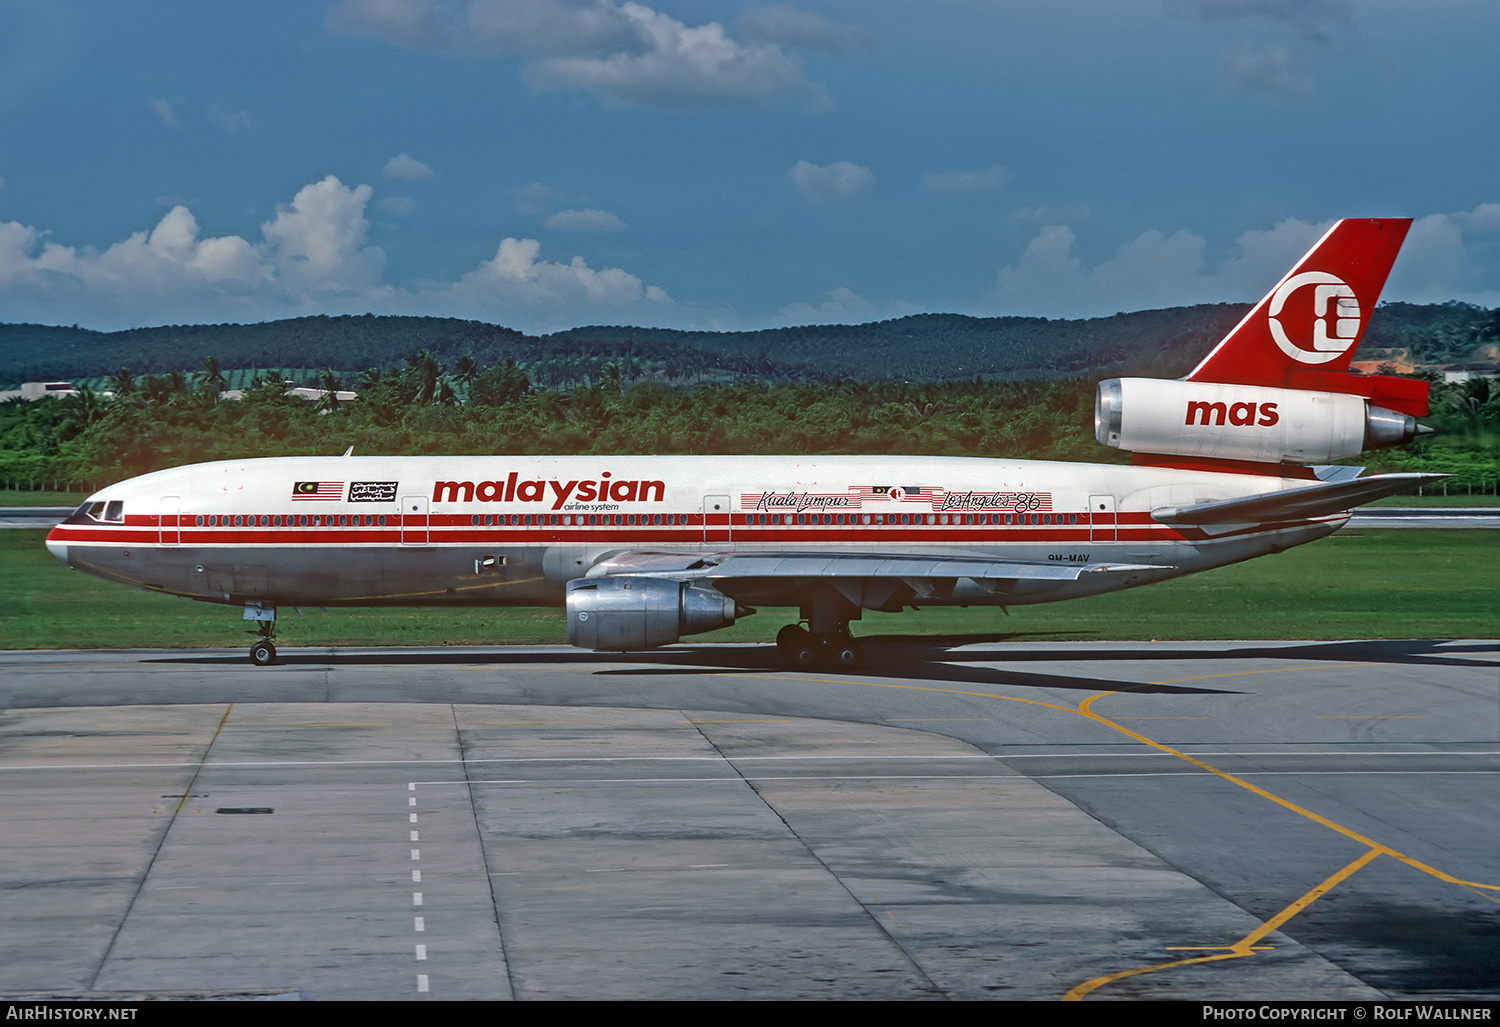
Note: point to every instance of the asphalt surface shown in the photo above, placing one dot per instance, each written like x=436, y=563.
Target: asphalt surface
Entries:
x=967, y=818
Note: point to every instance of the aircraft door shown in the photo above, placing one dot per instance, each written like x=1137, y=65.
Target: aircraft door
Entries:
x=413, y=520
x=168, y=513
x=716, y=525
x=1103, y=526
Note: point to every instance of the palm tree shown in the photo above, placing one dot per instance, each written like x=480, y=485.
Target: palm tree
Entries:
x=422, y=374
x=211, y=381
x=466, y=369
x=83, y=408
x=329, y=383
x=123, y=382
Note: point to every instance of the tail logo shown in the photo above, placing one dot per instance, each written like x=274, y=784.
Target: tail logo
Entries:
x=1345, y=319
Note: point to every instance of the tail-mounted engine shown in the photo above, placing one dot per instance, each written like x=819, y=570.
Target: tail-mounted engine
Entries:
x=630, y=613
x=1243, y=422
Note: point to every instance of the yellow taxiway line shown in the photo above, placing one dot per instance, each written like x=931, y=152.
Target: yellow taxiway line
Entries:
x=1246, y=946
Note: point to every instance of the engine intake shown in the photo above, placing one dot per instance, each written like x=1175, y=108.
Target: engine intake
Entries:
x=623, y=613
x=1243, y=422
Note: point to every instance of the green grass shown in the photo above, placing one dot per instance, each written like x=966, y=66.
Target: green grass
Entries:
x=1456, y=499
x=1369, y=584
x=25, y=497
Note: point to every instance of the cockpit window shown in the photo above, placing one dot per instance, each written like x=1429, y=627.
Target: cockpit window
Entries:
x=95, y=512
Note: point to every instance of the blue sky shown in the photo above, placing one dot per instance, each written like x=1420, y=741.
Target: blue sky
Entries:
x=543, y=164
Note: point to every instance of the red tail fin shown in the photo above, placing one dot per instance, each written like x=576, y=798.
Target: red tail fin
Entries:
x=1314, y=318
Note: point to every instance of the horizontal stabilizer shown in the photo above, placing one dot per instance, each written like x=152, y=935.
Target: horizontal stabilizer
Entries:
x=1295, y=504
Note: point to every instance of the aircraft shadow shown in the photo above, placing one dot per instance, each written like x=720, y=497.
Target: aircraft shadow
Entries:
x=1423, y=651
x=949, y=659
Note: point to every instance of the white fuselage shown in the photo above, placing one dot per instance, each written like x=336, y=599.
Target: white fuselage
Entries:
x=498, y=530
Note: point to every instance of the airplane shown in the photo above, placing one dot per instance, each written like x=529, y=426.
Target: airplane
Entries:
x=1236, y=460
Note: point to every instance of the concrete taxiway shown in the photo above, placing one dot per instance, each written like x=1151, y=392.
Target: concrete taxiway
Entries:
x=966, y=818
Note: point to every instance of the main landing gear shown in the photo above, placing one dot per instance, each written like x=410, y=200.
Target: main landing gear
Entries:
x=826, y=641
x=263, y=652
x=806, y=651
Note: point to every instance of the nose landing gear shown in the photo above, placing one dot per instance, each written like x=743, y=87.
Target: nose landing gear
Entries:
x=263, y=652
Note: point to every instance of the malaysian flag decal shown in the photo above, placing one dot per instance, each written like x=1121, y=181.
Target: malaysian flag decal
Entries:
x=324, y=490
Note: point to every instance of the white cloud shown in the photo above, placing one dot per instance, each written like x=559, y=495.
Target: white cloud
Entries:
x=786, y=26
x=492, y=27
x=1445, y=257
x=317, y=242
x=1289, y=35
x=842, y=306
x=682, y=66
x=1152, y=270
x=1277, y=69
x=627, y=53
x=397, y=206
x=534, y=198
x=992, y=177
x=1070, y=215
x=1450, y=256
x=172, y=256
x=838, y=181
x=405, y=169
x=25, y=258
x=312, y=254
x=1483, y=218
x=314, y=257
x=230, y=122
x=169, y=259
x=515, y=275
x=163, y=110
x=587, y=220
x=1315, y=19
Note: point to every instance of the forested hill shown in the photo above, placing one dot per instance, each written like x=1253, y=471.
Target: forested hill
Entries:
x=922, y=347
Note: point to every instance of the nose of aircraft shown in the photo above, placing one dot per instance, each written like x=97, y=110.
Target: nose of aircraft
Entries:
x=57, y=549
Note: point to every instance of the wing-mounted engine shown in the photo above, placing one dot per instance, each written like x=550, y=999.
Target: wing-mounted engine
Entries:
x=628, y=612
x=1252, y=423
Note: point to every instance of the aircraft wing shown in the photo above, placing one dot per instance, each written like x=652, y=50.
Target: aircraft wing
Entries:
x=867, y=580
x=1319, y=500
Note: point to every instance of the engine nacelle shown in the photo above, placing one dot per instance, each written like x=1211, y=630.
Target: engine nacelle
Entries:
x=623, y=613
x=1242, y=422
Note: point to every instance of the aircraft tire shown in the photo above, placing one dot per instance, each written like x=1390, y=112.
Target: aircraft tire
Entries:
x=792, y=637
x=846, y=655
x=804, y=657
x=262, y=654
